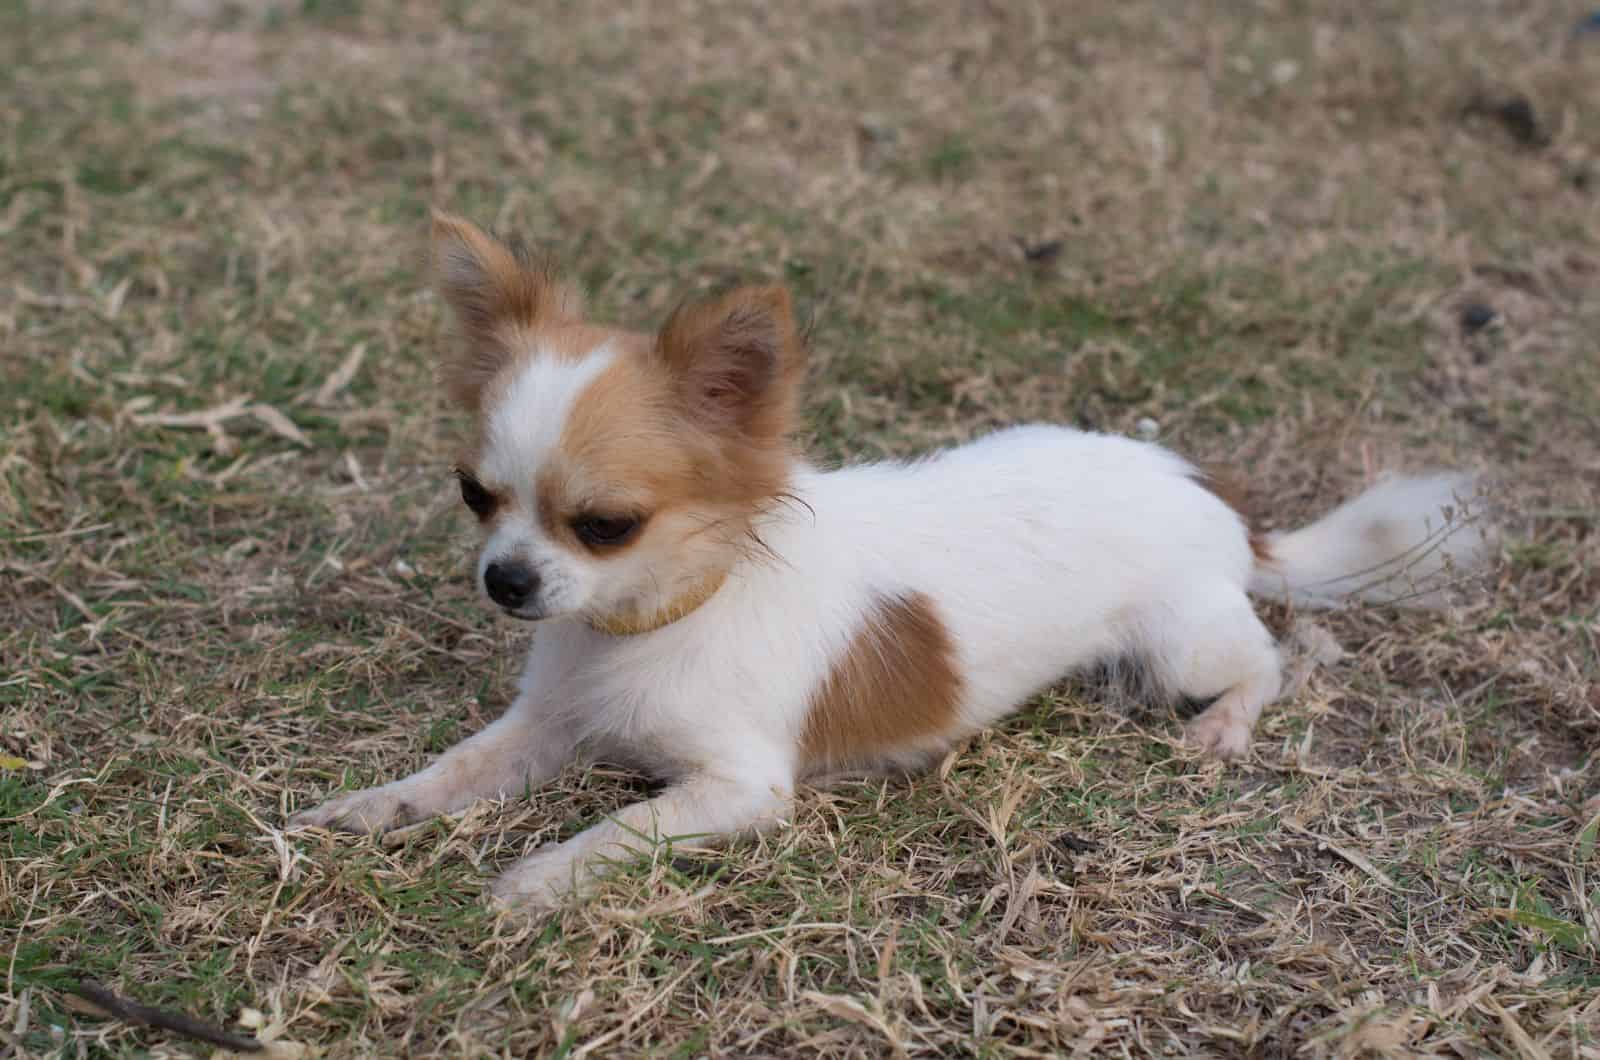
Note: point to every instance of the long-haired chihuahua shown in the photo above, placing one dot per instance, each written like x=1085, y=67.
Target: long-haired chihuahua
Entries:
x=711, y=608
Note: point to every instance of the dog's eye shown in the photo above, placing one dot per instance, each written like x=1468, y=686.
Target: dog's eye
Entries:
x=601, y=530
x=474, y=496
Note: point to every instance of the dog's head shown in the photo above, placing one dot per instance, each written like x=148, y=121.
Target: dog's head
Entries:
x=613, y=472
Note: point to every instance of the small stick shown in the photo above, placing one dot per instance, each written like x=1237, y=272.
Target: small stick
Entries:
x=176, y=1022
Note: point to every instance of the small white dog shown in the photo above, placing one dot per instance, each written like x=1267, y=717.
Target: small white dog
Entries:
x=717, y=612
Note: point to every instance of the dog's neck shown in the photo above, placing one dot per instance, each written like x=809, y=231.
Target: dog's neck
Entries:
x=631, y=625
x=784, y=503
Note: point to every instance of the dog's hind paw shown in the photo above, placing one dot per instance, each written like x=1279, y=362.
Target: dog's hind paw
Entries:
x=1221, y=734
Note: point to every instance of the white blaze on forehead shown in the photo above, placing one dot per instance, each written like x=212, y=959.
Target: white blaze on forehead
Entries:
x=525, y=426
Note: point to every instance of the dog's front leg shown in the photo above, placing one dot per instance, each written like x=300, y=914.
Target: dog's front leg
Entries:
x=523, y=748
x=702, y=807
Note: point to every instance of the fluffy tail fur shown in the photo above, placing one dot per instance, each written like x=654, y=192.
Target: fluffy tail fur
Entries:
x=1406, y=541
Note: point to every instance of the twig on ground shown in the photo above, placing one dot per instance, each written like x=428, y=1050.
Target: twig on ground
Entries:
x=145, y=1016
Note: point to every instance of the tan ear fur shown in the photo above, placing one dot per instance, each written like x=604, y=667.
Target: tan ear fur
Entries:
x=495, y=292
x=737, y=360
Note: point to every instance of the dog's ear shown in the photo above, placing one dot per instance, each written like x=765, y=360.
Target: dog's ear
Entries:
x=495, y=291
x=736, y=360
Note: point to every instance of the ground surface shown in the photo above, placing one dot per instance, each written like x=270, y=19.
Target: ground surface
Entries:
x=1261, y=226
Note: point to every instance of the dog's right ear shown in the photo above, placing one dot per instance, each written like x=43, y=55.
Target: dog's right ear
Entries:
x=737, y=359
x=496, y=293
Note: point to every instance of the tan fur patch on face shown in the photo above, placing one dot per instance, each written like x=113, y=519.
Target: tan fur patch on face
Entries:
x=631, y=444
x=566, y=341
x=622, y=450
x=897, y=685
x=574, y=341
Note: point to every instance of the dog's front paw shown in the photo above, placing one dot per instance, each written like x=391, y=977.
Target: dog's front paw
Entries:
x=365, y=812
x=1224, y=735
x=542, y=882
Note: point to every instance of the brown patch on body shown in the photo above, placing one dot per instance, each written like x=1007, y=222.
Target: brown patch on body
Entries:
x=1227, y=488
x=896, y=686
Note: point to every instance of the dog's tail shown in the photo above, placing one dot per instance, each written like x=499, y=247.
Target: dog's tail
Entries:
x=1410, y=541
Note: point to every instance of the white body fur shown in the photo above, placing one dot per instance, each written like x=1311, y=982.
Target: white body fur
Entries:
x=1046, y=550
x=617, y=476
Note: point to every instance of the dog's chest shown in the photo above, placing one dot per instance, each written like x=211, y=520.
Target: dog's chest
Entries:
x=683, y=698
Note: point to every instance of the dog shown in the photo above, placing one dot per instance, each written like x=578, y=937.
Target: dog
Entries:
x=714, y=610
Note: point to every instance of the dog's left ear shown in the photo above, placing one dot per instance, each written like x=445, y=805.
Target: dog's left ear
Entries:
x=737, y=360
x=494, y=291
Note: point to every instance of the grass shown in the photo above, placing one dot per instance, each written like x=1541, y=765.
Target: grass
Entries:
x=1258, y=226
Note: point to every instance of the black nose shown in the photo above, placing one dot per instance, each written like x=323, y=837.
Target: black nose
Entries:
x=510, y=584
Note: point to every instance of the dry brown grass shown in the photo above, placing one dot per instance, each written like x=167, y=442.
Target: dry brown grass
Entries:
x=1258, y=225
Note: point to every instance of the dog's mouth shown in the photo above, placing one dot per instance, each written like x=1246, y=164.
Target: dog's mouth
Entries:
x=520, y=616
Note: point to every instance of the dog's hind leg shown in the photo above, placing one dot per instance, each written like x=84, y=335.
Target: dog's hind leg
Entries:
x=1210, y=645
